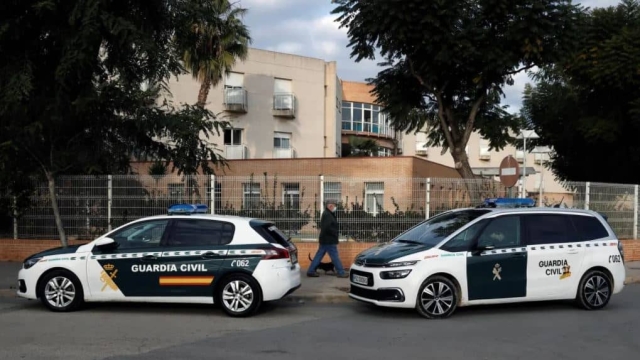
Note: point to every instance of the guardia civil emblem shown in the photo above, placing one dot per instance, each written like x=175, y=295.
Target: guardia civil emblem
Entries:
x=496, y=272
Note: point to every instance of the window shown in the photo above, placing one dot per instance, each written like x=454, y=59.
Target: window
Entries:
x=251, y=195
x=233, y=136
x=270, y=232
x=549, y=229
x=282, y=91
x=282, y=140
x=234, y=80
x=332, y=191
x=196, y=232
x=437, y=228
x=502, y=232
x=464, y=240
x=141, y=235
x=291, y=196
x=373, y=197
x=588, y=227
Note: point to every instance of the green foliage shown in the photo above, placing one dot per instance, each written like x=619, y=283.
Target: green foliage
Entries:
x=212, y=37
x=290, y=219
x=447, y=61
x=84, y=88
x=363, y=147
x=357, y=224
x=587, y=106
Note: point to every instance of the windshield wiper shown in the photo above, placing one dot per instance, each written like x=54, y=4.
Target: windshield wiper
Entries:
x=409, y=242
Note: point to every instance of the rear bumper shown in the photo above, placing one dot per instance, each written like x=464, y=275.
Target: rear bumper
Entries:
x=277, y=283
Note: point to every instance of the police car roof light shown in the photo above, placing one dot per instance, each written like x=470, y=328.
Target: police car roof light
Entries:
x=188, y=209
x=508, y=202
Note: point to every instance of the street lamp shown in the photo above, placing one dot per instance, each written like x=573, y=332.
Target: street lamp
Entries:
x=541, y=150
x=524, y=135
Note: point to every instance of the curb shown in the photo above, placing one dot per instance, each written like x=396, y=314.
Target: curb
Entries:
x=632, y=280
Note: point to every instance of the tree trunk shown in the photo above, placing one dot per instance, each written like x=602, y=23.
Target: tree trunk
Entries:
x=56, y=210
x=204, y=92
x=472, y=183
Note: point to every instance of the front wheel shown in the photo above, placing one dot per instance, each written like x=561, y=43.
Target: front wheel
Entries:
x=437, y=298
x=239, y=295
x=594, y=291
x=61, y=291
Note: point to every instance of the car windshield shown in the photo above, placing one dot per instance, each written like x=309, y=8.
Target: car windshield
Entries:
x=434, y=230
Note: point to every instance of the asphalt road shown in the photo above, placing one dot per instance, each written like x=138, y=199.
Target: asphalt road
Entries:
x=302, y=331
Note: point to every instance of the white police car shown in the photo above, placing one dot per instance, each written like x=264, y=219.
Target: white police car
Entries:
x=492, y=256
x=186, y=256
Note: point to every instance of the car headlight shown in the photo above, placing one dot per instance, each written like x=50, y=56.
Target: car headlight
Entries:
x=395, y=274
x=401, y=263
x=30, y=262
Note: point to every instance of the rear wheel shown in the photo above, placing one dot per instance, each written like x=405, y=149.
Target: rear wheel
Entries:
x=239, y=295
x=594, y=291
x=437, y=298
x=61, y=291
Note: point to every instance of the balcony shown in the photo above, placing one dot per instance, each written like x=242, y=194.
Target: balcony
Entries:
x=284, y=153
x=367, y=129
x=235, y=100
x=284, y=106
x=236, y=152
x=421, y=148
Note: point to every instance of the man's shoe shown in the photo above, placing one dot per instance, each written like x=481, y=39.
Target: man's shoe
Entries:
x=343, y=276
x=313, y=274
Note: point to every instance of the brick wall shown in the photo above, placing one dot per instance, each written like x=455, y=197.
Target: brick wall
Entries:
x=18, y=250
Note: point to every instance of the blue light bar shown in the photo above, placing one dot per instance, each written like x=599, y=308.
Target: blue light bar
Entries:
x=183, y=209
x=508, y=202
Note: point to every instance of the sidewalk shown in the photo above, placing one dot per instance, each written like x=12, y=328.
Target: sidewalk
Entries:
x=327, y=289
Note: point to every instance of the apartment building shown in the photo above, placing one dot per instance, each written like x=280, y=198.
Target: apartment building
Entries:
x=284, y=106
x=287, y=106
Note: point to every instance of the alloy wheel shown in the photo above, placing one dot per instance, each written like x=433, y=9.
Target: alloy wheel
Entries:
x=596, y=290
x=237, y=296
x=437, y=298
x=60, y=292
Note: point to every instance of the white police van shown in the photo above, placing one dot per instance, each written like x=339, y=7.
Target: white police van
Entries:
x=491, y=256
x=186, y=256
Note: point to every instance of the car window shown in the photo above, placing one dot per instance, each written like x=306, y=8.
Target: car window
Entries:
x=502, y=232
x=200, y=232
x=436, y=229
x=140, y=235
x=464, y=240
x=549, y=229
x=588, y=228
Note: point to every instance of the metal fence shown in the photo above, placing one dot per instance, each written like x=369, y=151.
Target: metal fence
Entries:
x=369, y=210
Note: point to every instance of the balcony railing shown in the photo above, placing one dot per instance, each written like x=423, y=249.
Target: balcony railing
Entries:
x=284, y=153
x=235, y=100
x=284, y=105
x=236, y=152
x=368, y=128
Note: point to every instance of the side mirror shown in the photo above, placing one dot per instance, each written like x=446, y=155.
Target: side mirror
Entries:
x=106, y=243
x=480, y=249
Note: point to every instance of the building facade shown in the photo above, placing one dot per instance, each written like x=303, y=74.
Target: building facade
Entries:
x=284, y=106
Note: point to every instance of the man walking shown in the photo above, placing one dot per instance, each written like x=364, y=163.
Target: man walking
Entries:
x=328, y=241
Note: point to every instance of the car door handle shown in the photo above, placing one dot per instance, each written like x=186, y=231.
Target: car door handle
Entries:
x=210, y=255
x=572, y=252
x=149, y=257
x=520, y=254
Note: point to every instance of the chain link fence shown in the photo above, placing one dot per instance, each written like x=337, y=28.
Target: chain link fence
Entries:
x=369, y=209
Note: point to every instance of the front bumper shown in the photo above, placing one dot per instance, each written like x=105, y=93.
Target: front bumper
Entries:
x=26, y=284
x=398, y=293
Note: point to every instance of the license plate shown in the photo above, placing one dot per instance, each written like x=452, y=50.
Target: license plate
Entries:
x=294, y=258
x=362, y=280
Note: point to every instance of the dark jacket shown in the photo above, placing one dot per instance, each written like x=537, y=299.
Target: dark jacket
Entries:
x=328, y=228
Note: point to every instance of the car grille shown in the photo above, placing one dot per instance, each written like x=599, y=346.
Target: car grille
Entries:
x=379, y=295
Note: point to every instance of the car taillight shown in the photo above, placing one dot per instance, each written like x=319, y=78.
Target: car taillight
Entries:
x=276, y=253
x=621, y=250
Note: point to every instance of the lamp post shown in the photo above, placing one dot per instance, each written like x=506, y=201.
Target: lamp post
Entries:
x=524, y=135
x=541, y=150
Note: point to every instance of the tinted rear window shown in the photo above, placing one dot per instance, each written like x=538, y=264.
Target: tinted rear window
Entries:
x=270, y=232
x=588, y=228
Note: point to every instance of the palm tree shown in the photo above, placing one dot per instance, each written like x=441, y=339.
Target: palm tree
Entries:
x=213, y=38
